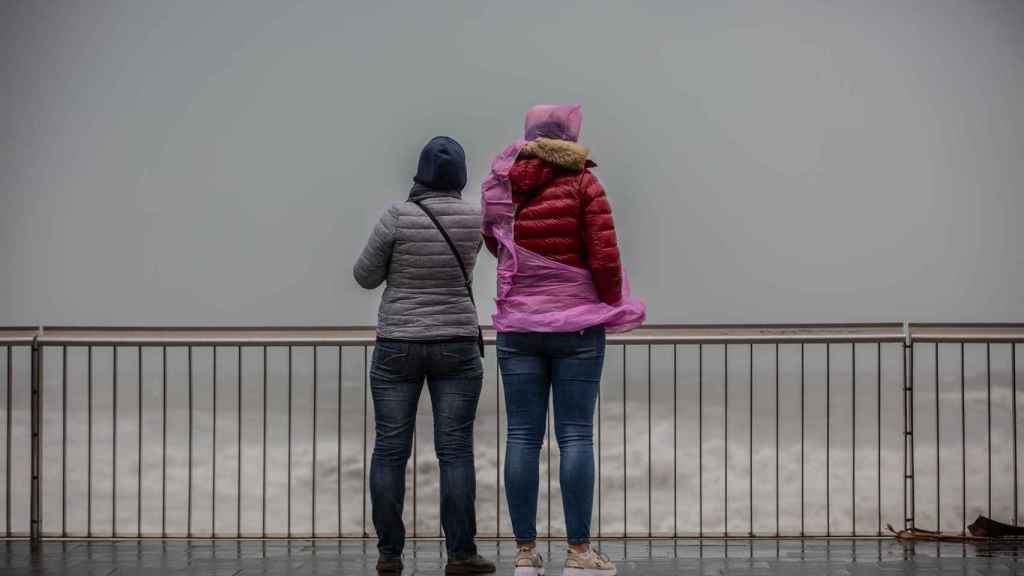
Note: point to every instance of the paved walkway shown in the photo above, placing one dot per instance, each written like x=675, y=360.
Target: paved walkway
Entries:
x=639, y=557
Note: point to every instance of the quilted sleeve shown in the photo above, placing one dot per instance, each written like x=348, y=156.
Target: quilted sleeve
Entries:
x=602, y=246
x=371, y=269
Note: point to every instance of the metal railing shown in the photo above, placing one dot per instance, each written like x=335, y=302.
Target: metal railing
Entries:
x=714, y=430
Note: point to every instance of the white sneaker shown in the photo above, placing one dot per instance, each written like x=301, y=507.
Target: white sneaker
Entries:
x=589, y=563
x=529, y=562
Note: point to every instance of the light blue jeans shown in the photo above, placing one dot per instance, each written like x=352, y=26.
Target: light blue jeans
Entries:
x=568, y=366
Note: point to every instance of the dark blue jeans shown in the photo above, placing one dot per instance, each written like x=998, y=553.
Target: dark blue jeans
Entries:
x=568, y=366
x=454, y=375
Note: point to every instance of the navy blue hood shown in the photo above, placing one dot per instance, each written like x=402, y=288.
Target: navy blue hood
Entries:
x=442, y=165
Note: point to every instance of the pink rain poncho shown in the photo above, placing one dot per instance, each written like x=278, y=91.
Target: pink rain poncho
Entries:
x=536, y=293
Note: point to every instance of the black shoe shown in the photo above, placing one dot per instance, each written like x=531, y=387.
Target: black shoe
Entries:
x=389, y=566
x=475, y=564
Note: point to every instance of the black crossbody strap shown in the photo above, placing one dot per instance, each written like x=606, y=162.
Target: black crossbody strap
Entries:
x=467, y=281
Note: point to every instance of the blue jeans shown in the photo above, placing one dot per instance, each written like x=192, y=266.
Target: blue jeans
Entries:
x=569, y=366
x=454, y=375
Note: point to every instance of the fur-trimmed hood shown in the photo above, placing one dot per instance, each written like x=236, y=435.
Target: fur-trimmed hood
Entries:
x=562, y=153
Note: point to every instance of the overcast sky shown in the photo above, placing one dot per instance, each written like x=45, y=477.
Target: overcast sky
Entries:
x=223, y=162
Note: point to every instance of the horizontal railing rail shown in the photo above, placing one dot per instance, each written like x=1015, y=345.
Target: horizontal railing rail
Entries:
x=299, y=336
x=701, y=430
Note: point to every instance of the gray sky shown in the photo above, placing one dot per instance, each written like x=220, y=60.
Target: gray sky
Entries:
x=222, y=162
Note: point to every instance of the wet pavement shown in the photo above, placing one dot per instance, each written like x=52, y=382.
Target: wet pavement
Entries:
x=639, y=557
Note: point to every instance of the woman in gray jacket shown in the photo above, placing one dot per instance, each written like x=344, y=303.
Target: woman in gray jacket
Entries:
x=427, y=329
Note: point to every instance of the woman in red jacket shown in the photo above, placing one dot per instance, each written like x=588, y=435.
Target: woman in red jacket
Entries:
x=562, y=212
x=548, y=220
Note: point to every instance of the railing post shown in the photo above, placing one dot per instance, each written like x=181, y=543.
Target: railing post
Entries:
x=908, y=427
x=35, y=505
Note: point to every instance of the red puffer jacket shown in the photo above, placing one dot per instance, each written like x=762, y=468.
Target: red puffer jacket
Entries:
x=562, y=212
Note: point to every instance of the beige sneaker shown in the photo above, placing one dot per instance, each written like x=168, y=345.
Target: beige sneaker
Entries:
x=529, y=562
x=589, y=563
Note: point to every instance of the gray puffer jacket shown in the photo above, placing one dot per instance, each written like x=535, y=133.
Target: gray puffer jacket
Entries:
x=426, y=297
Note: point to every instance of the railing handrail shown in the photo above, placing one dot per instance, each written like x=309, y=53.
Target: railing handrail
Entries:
x=653, y=334
x=17, y=336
